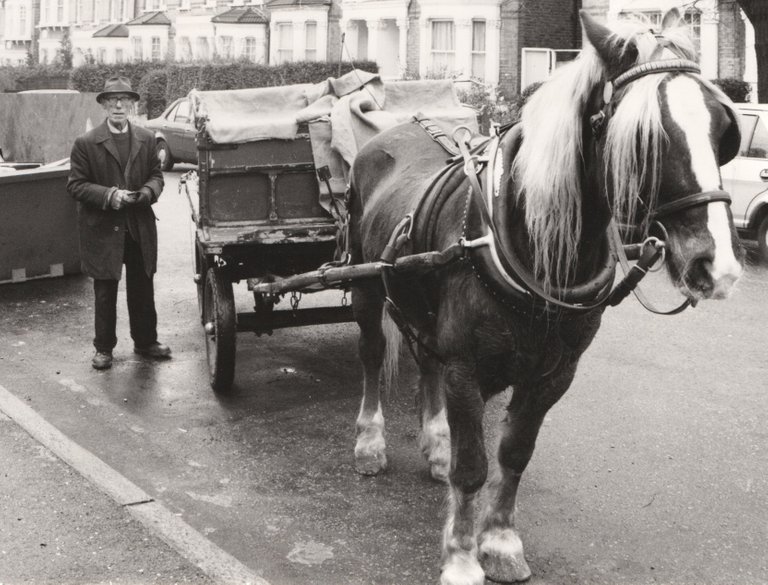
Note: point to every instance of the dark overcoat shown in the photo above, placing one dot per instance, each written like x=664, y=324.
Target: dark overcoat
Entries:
x=94, y=172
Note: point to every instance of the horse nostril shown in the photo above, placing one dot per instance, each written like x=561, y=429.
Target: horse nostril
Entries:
x=698, y=277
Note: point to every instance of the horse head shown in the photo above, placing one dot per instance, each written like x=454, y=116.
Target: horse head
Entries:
x=666, y=133
x=631, y=130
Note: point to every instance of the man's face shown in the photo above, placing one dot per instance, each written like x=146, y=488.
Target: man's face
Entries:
x=117, y=107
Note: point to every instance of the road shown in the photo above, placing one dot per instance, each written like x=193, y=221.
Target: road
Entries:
x=652, y=469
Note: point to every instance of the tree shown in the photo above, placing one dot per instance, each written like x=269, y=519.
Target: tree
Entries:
x=757, y=12
x=64, y=52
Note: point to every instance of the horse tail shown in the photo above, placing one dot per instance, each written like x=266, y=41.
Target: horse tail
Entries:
x=393, y=341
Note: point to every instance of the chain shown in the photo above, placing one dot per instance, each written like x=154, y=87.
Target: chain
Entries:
x=295, y=299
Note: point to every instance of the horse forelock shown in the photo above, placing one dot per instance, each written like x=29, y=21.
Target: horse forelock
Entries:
x=633, y=147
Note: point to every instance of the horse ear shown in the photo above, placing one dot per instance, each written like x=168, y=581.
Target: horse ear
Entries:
x=671, y=19
x=598, y=35
x=608, y=45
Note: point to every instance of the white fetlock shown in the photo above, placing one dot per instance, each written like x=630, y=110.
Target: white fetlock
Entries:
x=370, y=453
x=435, y=444
x=370, y=447
x=500, y=552
x=462, y=569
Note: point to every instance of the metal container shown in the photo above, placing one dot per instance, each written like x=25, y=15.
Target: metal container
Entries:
x=38, y=224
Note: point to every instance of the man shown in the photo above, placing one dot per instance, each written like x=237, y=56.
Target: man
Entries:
x=115, y=176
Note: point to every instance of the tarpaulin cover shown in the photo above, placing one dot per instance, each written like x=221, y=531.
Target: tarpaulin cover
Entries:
x=342, y=114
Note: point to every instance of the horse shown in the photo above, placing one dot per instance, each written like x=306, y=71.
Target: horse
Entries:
x=628, y=132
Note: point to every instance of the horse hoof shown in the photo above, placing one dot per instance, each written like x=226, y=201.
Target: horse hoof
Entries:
x=370, y=464
x=462, y=569
x=501, y=555
x=439, y=471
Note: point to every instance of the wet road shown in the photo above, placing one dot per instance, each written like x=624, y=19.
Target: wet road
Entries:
x=652, y=469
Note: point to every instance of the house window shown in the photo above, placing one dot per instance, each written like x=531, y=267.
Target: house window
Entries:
x=443, y=47
x=101, y=56
x=478, y=49
x=138, y=54
x=79, y=11
x=693, y=20
x=284, y=42
x=202, y=48
x=22, y=20
x=185, y=4
x=118, y=55
x=249, y=49
x=310, y=47
x=60, y=11
x=185, y=49
x=155, y=55
x=225, y=47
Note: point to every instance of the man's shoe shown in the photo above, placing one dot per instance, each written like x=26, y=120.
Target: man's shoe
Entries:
x=156, y=351
x=102, y=360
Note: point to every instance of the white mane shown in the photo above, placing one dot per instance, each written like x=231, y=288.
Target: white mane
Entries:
x=547, y=168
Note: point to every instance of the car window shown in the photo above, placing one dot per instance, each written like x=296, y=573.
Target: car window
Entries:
x=172, y=113
x=748, y=122
x=182, y=112
x=759, y=145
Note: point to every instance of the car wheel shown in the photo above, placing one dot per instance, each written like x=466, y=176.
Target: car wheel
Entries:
x=762, y=239
x=164, y=154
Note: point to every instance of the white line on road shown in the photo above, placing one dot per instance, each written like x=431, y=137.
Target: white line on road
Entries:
x=218, y=564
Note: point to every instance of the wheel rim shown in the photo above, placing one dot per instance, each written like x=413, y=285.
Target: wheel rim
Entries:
x=162, y=154
x=210, y=337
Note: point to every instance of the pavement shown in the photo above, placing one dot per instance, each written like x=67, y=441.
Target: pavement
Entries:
x=650, y=470
x=58, y=527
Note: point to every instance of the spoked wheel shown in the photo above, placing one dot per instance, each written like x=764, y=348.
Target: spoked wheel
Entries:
x=219, y=318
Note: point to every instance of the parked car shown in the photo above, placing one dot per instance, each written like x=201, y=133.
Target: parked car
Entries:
x=175, y=134
x=746, y=177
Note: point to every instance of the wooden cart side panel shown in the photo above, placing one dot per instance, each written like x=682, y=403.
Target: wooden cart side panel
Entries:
x=266, y=182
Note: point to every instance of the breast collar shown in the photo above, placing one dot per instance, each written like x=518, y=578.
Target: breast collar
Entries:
x=492, y=253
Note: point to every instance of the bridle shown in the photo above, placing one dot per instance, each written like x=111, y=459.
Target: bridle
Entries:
x=659, y=213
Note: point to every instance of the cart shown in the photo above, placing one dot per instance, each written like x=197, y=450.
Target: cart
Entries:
x=267, y=202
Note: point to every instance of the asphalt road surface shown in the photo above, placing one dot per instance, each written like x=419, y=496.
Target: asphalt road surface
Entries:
x=652, y=469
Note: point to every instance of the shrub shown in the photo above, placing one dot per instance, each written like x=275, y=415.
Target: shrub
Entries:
x=736, y=89
x=492, y=107
x=151, y=88
x=91, y=77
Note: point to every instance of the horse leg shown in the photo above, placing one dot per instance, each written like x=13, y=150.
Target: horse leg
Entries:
x=500, y=549
x=370, y=456
x=434, y=438
x=469, y=469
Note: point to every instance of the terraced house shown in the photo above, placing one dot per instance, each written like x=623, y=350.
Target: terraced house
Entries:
x=507, y=43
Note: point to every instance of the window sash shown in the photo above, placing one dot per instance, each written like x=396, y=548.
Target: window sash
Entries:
x=310, y=47
x=155, y=48
x=478, y=49
x=284, y=42
x=443, y=45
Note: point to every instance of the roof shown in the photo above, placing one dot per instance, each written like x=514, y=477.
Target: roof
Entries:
x=150, y=18
x=113, y=31
x=242, y=15
x=298, y=3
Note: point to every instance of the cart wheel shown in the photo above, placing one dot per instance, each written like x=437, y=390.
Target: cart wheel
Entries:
x=220, y=330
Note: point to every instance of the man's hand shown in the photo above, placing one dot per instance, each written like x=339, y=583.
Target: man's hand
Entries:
x=120, y=198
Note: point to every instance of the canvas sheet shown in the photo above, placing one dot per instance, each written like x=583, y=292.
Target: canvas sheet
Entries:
x=243, y=115
x=342, y=115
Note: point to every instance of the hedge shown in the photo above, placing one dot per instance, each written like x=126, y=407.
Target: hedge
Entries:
x=161, y=83
x=736, y=89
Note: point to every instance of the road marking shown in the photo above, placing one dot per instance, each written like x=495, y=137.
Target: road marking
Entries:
x=218, y=564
